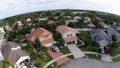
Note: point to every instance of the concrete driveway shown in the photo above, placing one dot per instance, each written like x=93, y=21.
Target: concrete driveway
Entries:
x=77, y=53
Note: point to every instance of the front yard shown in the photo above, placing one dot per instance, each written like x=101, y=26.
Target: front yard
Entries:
x=93, y=56
x=65, y=50
x=115, y=51
x=88, y=48
x=116, y=59
x=38, y=58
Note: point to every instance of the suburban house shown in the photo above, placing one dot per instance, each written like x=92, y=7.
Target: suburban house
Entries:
x=87, y=20
x=111, y=32
x=13, y=52
x=68, y=34
x=19, y=23
x=2, y=32
x=7, y=27
x=50, y=22
x=28, y=20
x=116, y=27
x=42, y=19
x=68, y=21
x=100, y=37
x=77, y=17
x=44, y=36
x=90, y=25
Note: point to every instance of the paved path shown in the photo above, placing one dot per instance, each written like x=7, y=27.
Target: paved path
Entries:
x=89, y=63
x=56, y=59
x=106, y=57
x=55, y=55
x=77, y=53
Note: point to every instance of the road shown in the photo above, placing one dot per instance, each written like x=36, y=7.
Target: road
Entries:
x=89, y=63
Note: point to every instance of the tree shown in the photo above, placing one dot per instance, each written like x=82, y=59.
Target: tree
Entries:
x=84, y=36
x=6, y=62
x=72, y=24
x=114, y=38
x=68, y=12
x=114, y=45
x=97, y=23
x=95, y=44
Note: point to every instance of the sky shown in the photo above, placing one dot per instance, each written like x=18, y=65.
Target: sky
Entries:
x=14, y=7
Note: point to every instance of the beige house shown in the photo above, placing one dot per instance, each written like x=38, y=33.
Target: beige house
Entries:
x=44, y=36
x=68, y=34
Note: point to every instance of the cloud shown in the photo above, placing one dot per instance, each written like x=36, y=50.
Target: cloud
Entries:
x=13, y=7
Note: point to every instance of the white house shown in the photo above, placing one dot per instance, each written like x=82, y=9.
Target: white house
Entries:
x=2, y=32
x=13, y=52
x=19, y=23
x=68, y=34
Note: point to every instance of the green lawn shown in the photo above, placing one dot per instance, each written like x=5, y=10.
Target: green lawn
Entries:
x=116, y=59
x=65, y=50
x=93, y=56
x=87, y=48
x=40, y=59
x=1, y=65
x=115, y=52
x=53, y=65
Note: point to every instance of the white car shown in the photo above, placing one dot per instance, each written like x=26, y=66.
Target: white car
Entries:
x=54, y=48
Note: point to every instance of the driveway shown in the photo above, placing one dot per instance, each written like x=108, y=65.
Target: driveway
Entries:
x=55, y=55
x=77, y=53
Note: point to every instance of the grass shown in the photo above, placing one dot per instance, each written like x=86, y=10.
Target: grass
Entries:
x=37, y=57
x=71, y=57
x=65, y=50
x=79, y=42
x=115, y=52
x=87, y=48
x=53, y=65
x=93, y=56
x=1, y=65
x=116, y=59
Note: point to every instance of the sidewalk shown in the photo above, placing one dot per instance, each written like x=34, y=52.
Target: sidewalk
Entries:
x=106, y=58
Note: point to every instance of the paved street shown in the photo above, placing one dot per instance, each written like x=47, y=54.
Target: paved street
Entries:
x=77, y=53
x=89, y=63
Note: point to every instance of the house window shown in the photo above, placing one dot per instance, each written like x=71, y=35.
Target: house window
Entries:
x=67, y=35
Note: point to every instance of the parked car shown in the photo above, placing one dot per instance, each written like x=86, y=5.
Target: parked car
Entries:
x=55, y=48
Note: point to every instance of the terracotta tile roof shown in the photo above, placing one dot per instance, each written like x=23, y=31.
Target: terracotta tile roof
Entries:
x=63, y=29
x=46, y=41
x=72, y=38
x=39, y=32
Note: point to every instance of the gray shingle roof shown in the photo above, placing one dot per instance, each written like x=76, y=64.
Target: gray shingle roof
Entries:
x=12, y=55
x=99, y=35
